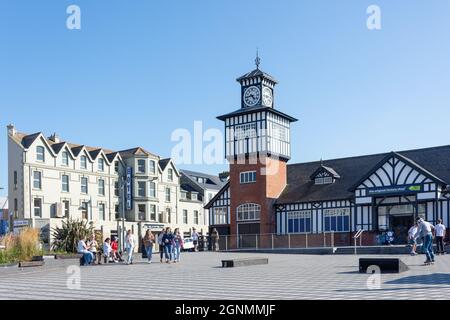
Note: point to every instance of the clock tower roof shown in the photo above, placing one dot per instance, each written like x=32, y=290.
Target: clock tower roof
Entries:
x=256, y=73
x=243, y=111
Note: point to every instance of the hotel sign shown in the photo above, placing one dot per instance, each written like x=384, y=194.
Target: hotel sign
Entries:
x=415, y=188
x=129, y=184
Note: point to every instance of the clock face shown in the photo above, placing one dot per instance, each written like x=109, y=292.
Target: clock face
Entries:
x=267, y=97
x=252, y=96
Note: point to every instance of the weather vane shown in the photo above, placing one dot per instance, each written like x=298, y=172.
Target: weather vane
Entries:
x=257, y=60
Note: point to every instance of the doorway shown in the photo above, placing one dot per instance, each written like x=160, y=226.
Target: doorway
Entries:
x=247, y=234
x=400, y=225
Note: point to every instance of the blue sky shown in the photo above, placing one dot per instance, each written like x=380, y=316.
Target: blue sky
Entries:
x=136, y=64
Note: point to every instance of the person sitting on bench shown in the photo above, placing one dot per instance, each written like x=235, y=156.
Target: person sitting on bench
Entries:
x=82, y=248
x=108, y=253
x=115, y=248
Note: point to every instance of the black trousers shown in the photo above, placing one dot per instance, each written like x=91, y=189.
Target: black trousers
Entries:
x=440, y=244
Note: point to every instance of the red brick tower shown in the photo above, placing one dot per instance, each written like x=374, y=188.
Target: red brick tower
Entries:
x=257, y=140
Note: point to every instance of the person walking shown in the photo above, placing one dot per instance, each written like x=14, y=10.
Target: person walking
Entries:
x=215, y=240
x=425, y=231
x=130, y=245
x=412, y=238
x=149, y=240
x=161, y=245
x=177, y=245
x=440, y=235
x=195, y=239
x=167, y=239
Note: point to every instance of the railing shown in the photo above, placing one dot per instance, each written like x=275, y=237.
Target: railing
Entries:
x=272, y=241
x=357, y=236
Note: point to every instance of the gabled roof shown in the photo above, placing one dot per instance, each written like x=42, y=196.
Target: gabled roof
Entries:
x=136, y=152
x=218, y=195
x=28, y=140
x=433, y=161
x=163, y=163
x=331, y=171
x=256, y=73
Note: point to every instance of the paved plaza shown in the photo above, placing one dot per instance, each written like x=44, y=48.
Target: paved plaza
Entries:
x=199, y=276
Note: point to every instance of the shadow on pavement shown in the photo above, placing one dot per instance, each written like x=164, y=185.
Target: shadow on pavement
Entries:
x=434, y=278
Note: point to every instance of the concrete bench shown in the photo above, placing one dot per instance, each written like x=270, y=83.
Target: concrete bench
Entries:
x=27, y=264
x=244, y=262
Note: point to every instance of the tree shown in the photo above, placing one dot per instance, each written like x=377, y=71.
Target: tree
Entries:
x=66, y=238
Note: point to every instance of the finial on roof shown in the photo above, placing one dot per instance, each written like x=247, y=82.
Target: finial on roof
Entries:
x=257, y=60
x=321, y=162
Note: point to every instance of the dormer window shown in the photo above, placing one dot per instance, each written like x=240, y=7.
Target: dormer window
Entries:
x=324, y=175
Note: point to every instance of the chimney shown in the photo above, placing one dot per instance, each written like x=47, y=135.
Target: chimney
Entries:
x=11, y=130
x=55, y=138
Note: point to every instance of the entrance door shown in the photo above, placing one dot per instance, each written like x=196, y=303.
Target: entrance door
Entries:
x=400, y=225
x=247, y=234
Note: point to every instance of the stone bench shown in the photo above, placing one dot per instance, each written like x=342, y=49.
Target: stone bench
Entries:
x=244, y=262
x=27, y=264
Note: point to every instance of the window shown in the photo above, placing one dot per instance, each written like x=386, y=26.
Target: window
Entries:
x=248, y=211
x=84, y=210
x=141, y=166
x=101, y=187
x=65, y=183
x=66, y=208
x=168, y=215
x=37, y=207
x=16, y=205
x=37, y=180
x=152, y=166
x=116, y=189
x=116, y=212
x=183, y=195
x=327, y=180
x=15, y=179
x=167, y=194
x=161, y=217
x=101, y=212
x=84, y=185
x=195, y=217
x=299, y=221
x=141, y=189
x=65, y=158
x=152, y=189
x=220, y=215
x=337, y=219
x=279, y=132
x=116, y=166
x=185, y=216
x=152, y=212
x=101, y=165
x=141, y=212
x=170, y=175
x=40, y=154
x=244, y=131
x=247, y=177
x=318, y=181
x=194, y=196
x=83, y=162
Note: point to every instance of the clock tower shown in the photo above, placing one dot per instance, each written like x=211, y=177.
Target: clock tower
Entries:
x=257, y=143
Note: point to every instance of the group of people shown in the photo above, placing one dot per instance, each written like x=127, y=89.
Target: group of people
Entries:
x=422, y=232
x=170, y=246
x=88, y=247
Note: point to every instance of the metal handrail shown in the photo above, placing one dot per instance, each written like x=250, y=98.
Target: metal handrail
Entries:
x=358, y=235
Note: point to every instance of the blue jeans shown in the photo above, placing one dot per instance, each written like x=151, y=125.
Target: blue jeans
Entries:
x=176, y=253
x=88, y=257
x=428, y=247
x=168, y=251
x=149, y=251
x=130, y=254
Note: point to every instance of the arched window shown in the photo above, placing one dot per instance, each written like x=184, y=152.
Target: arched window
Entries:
x=248, y=211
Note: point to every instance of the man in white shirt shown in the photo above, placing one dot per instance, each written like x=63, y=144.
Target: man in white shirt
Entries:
x=83, y=248
x=412, y=238
x=439, y=230
x=425, y=232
